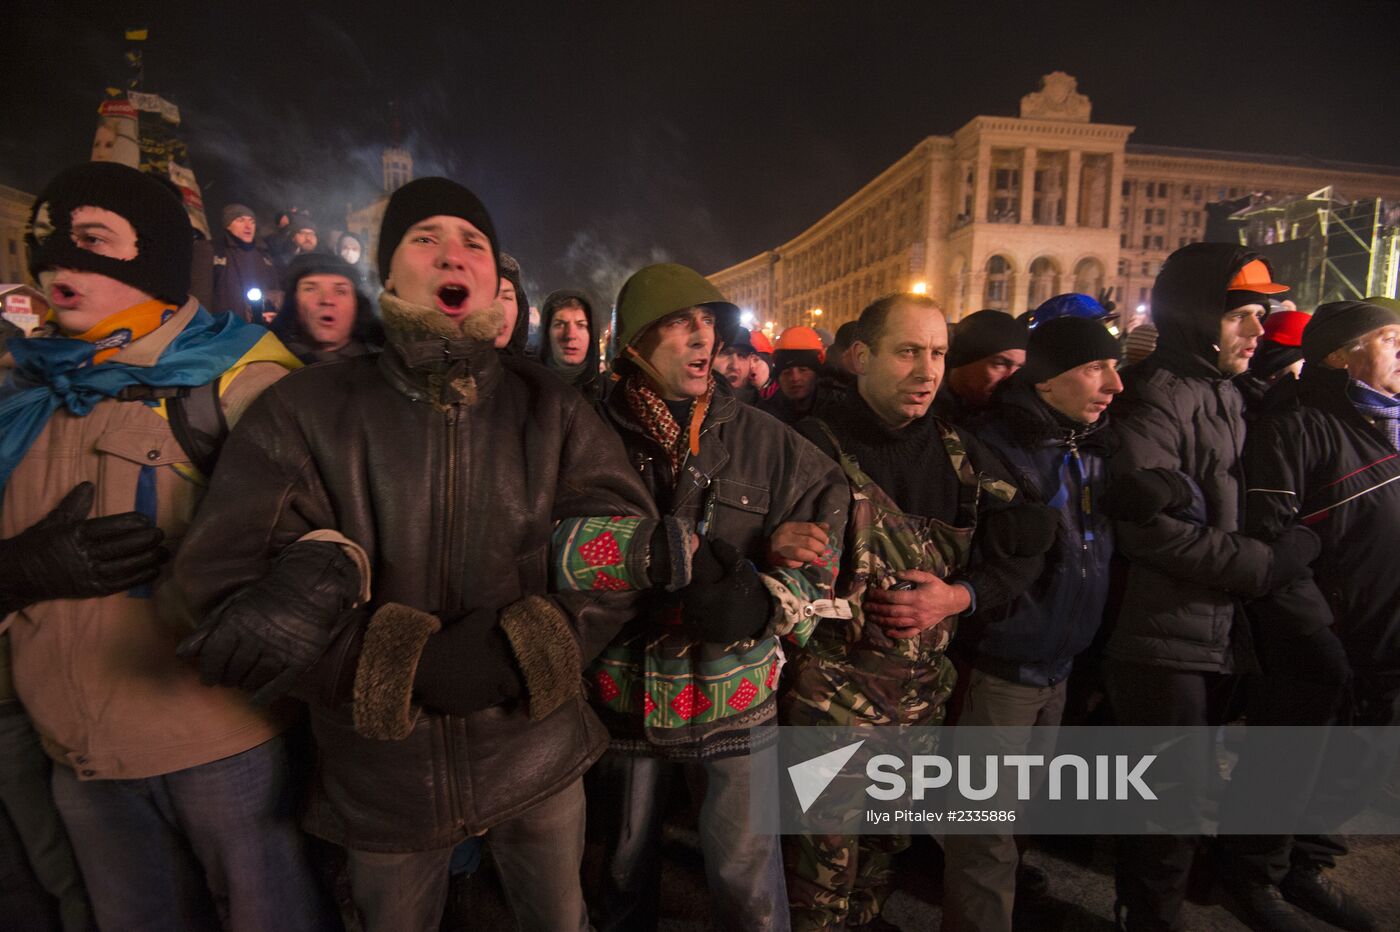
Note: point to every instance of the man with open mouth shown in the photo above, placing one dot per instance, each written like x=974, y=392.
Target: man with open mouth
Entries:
x=442, y=676
x=690, y=685
x=178, y=798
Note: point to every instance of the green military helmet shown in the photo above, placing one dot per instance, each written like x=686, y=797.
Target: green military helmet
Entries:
x=657, y=290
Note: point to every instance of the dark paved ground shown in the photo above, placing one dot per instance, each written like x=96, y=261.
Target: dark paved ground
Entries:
x=1080, y=898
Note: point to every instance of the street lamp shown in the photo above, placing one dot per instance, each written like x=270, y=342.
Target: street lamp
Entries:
x=920, y=288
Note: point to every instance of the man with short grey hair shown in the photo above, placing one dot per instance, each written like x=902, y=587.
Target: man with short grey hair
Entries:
x=1323, y=456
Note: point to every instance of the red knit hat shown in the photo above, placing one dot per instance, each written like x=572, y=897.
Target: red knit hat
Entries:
x=1286, y=327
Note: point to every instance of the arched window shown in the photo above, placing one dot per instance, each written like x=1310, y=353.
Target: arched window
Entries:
x=997, y=292
x=1088, y=277
x=1045, y=281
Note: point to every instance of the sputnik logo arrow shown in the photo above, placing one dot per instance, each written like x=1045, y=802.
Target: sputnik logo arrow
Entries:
x=811, y=777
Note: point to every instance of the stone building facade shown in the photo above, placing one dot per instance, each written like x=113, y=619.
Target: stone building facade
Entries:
x=1011, y=210
x=14, y=214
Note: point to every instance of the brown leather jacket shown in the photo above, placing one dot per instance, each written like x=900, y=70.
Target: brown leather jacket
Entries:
x=449, y=465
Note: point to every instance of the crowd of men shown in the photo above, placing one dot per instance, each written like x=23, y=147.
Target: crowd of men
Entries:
x=319, y=606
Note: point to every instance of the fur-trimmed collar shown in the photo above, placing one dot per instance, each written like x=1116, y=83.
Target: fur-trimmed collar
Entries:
x=430, y=358
x=411, y=322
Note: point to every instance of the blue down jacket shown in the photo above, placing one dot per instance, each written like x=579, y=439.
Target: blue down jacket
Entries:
x=1035, y=642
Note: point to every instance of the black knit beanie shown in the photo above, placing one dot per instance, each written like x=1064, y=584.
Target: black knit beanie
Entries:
x=984, y=333
x=1339, y=323
x=164, y=237
x=430, y=197
x=788, y=358
x=233, y=211
x=1271, y=358
x=1064, y=343
x=317, y=263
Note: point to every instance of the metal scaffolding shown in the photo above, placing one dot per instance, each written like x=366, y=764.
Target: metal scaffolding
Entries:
x=1326, y=248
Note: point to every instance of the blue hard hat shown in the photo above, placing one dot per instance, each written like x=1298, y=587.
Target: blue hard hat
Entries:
x=1069, y=305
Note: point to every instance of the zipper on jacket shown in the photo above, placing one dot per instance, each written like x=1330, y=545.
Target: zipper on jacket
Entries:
x=1083, y=481
x=450, y=595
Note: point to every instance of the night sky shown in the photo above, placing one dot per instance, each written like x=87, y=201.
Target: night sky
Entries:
x=605, y=135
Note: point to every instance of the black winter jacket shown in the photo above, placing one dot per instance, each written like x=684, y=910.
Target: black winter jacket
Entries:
x=239, y=266
x=826, y=394
x=1178, y=411
x=1313, y=458
x=1066, y=468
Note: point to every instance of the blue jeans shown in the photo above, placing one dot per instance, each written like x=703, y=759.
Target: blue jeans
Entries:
x=210, y=847
x=537, y=854
x=743, y=870
x=26, y=804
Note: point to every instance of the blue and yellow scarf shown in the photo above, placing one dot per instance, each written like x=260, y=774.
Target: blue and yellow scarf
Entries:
x=60, y=372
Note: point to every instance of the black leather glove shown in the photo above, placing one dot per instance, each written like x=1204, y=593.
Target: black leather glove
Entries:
x=1140, y=496
x=1293, y=552
x=1024, y=530
x=659, y=550
x=268, y=634
x=669, y=551
x=67, y=555
x=331, y=680
x=468, y=666
x=725, y=601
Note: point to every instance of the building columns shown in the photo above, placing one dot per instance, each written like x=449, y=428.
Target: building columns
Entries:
x=1020, y=292
x=982, y=192
x=1028, y=160
x=1072, y=189
x=1115, y=196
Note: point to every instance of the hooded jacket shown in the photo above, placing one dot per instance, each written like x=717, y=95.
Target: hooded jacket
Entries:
x=1178, y=411
x=448, y=463
x=1063, y=466
x=590, y=381
x=520, y=333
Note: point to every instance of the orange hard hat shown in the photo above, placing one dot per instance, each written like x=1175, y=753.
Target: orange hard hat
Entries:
x=761, y=343
x=801, y=338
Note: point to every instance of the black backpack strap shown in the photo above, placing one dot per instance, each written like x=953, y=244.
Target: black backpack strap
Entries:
x=198, y=423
